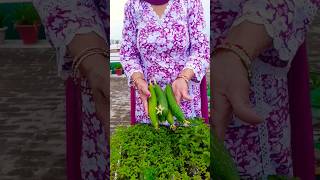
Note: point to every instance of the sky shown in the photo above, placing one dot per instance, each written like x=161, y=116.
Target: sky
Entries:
x=116, y=17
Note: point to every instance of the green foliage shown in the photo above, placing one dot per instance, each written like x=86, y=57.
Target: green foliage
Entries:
x=315, y=97
x=141, y=152
x=2, y=18
x=26, y=14
x=117, y=66
x=314, y=80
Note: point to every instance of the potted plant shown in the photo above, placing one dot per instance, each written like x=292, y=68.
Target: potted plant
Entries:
x=2, y=28
x=27, y=22
x=118, y=69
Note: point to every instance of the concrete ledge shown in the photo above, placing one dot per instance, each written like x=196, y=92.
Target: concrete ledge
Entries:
x=116, y=76
x=19, y=44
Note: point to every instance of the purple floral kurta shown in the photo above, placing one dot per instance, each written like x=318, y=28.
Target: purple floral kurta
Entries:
x=265, y=149
x=62, y=21
x=160, y=47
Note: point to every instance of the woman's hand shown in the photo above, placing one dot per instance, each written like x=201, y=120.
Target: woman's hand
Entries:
x=180, y=85
x=96, y=70
x=229, y=77
x=180, y=90
x=230, y=92
x=144, y=92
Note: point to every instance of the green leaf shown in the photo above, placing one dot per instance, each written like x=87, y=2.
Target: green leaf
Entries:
x=143, y=153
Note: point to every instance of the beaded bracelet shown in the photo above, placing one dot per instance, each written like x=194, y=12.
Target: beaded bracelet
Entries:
x=241, y=53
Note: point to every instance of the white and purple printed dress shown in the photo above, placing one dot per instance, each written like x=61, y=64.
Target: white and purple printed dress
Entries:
x=161, y=47
x=265, y=149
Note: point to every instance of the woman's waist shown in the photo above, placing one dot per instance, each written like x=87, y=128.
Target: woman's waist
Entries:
x=162, y=75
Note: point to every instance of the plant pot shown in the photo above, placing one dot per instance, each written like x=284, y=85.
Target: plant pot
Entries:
x=118, y=71
x=28, y=33
x=2, y=34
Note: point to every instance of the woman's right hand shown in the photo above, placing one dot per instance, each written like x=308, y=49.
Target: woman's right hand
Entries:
x=142, y=87
x=96, y=70
x=230, y=92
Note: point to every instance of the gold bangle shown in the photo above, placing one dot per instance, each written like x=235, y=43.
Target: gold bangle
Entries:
x=82, y=56
x=241, y=53
x=134, y=80
x=184, y=78
x=82, y=53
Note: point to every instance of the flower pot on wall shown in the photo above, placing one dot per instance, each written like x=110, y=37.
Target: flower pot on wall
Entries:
x=28, y=33
x=2, y=34
x=118, y=71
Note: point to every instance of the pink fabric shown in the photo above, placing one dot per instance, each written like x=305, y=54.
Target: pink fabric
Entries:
x=157, y=2
x=301, y=119
x=133, y=106
x=204, y=100
x=73, y=129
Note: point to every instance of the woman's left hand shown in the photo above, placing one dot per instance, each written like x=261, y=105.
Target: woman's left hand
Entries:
x=180, y=90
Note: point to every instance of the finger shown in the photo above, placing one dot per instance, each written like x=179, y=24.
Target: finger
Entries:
x=222, y=114
x=186, y=96
x=177, y=95
x=238, y=95
x=144, y=90
x=106, y=93
x=145, y=103
x=101, y=107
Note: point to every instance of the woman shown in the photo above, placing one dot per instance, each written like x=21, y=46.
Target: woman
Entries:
x=165, y=40
x=252, y=113
x=72, y=27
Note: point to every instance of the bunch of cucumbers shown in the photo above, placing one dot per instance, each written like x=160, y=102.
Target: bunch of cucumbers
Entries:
x=162, y=106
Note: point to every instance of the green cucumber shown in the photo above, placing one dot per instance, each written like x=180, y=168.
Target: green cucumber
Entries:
x=162, y=101
x=171, y=120
x=223, y=166
x=152, y=107
x=161, y=118
x=174, y=107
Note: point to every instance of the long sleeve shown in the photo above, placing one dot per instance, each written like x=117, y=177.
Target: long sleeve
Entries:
x=64, y=19
x=199, y=44
x=286, y=22
x=129, y=53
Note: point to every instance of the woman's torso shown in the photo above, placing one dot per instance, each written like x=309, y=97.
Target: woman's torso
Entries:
x=163, y=42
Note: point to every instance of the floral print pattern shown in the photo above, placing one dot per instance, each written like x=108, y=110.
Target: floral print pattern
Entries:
x=265, y=149
x=62, y=21
x=161, y=47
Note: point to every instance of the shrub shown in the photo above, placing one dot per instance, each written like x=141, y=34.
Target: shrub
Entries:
x=26, y=14
x=141, y=152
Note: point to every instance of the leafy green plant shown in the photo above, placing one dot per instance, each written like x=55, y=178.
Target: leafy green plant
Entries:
x=141, y=152
x=315, y=98
x=314, y=80
x=2, y=18
x=117, y=66
x=26, y=14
